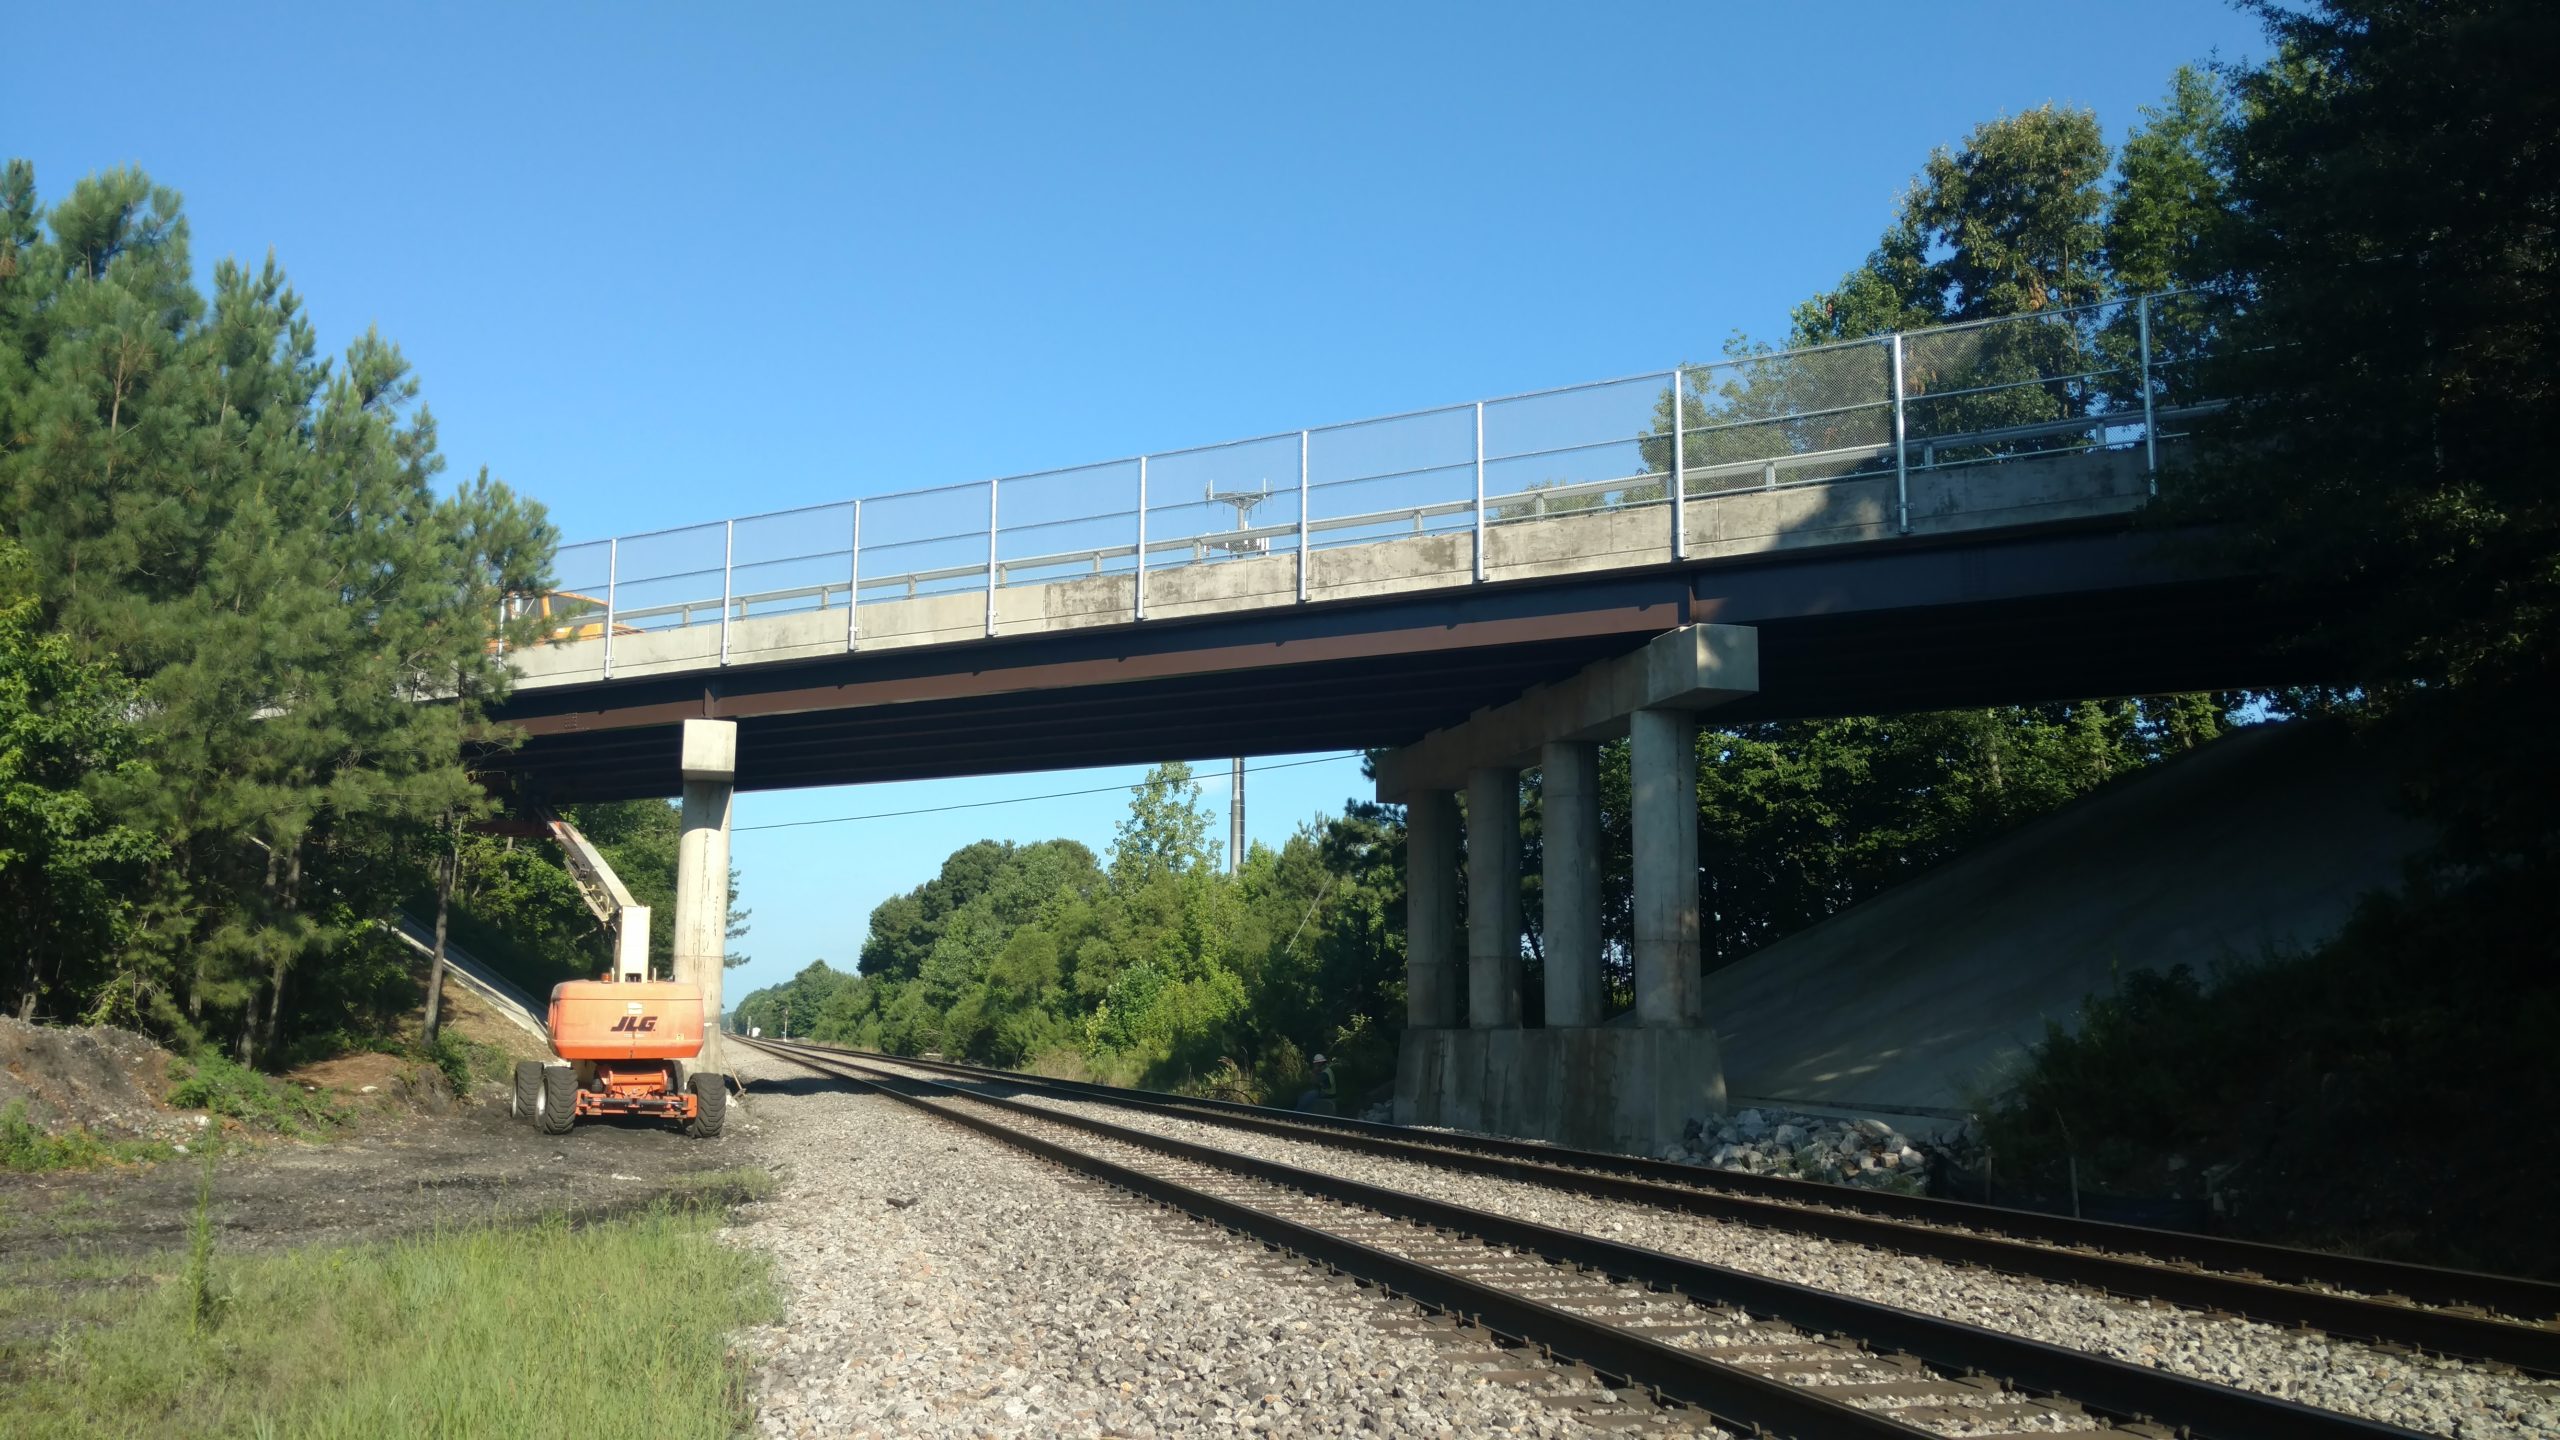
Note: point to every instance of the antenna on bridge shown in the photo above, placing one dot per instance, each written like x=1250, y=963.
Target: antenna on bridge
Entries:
x=1246, y=502
x=1240, y=543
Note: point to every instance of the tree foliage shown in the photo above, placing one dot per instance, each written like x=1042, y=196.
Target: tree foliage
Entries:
x=67, y=864
x=249, y=545
x=2395, y=270
x=1155, y=965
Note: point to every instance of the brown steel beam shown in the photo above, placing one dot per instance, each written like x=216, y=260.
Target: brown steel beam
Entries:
x=740, y=695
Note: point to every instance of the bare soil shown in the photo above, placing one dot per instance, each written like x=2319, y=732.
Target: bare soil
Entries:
x=387, y=1177
x=413, y=1157
x=107, y=1080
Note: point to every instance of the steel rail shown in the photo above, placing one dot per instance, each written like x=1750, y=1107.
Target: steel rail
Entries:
x=2136, y=1393
x=1733, y=1397
x=2238, y=1277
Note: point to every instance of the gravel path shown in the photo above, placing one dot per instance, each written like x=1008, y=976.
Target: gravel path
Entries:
x=937, y=1283
x=2441, y=1397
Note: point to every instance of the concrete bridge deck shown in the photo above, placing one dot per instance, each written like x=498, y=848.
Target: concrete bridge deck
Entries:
x=2019, y=580
x=1938, y=518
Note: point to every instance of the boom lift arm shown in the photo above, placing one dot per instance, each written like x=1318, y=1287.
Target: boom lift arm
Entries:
x=604, y=893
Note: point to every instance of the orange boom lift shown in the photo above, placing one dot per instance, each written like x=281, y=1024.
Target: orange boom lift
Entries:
x=621, y=1041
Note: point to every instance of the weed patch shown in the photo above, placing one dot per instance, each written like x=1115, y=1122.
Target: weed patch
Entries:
x=25, y=1147
x=224, y=1086
x=2363, y=1096
x=462, y=1060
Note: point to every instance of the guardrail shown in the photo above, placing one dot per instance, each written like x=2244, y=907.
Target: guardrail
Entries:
x=2109, y=376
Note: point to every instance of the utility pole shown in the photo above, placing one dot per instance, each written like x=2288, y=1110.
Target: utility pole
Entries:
x=1235, y=814
x=1241, y=544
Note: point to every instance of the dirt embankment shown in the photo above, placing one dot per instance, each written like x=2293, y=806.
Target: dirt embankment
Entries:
x=97, y=1077
x=411, y=1156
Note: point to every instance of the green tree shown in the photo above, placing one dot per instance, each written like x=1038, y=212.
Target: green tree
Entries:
x=1167, y=829
x=253, y=538
x=66, y=867
x=2010, y=222
x=2398, y=343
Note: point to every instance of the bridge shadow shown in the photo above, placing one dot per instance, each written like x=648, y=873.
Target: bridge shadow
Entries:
x=802, y=1085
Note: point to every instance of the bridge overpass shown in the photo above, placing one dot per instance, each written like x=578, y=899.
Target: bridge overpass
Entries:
x=1898, y=546
x=1940, y=518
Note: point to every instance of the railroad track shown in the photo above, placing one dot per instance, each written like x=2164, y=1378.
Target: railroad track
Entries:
x=2486, y=1319
x=1754, y=1354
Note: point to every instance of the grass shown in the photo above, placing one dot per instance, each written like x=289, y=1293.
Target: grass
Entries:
x=735, y=1186
x=590, y=1333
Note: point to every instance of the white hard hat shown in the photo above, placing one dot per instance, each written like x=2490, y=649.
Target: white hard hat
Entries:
x=1319, y=1060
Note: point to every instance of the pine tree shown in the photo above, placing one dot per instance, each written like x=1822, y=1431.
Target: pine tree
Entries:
x=255, y=540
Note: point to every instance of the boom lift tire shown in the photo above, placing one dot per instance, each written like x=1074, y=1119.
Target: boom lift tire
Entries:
x=710, y=1104
x=528, y=1097
x=559, y=1100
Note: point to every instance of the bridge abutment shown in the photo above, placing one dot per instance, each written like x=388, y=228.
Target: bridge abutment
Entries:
x=1629, y=1085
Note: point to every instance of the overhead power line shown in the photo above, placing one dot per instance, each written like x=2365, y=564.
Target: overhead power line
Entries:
x=1019, y=799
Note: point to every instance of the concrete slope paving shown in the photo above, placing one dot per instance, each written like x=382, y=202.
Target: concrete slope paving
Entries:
x=503, y=996
x=1917, y=997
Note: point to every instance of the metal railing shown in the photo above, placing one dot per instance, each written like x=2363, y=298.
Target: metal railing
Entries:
x=2106, y=376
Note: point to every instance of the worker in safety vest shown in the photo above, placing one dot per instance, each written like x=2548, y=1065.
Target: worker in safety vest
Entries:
x=1321, y=1099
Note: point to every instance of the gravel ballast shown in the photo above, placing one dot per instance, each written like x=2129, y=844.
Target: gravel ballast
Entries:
x=937, y=1283
x=2438, y=1396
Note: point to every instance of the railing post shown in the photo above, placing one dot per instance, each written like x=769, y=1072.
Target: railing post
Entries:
x=1479, y=490
x=1303, y=557
x=728, y=559
x=2150, y=435
x=853, y=586
x=612, y=577
x=1142, y=539
x=1901, y=445
x=992, y=487
x=1679, y=466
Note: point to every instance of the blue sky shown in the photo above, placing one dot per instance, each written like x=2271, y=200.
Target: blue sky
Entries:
x=664, y=263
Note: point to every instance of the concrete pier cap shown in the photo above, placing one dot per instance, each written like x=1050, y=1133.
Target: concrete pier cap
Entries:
x=1624, y=1086
x=710, y=750
x=1695, y=667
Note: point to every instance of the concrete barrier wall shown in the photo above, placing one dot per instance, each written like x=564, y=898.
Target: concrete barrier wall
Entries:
x=2069, y=486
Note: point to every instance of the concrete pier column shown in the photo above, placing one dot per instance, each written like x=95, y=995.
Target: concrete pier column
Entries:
x=1662, y=757
x=1431, y=910
x=1569, y=787
x=1493, y=899
x=710, y=767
